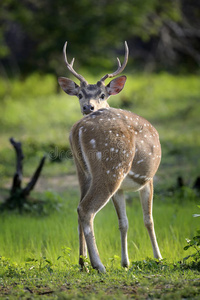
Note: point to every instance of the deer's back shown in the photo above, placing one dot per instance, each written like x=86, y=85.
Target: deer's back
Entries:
x=116, y=142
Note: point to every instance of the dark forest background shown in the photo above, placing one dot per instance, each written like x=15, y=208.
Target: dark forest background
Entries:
x=162, y=35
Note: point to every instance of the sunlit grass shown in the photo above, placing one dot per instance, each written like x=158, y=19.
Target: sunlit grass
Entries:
x=28, y=236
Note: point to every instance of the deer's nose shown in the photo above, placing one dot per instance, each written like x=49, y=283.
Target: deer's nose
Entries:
x=87, y=109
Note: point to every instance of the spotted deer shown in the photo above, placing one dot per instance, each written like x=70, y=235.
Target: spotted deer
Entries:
x=114, y=151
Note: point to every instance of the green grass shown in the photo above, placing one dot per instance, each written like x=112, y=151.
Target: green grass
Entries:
x=39, y=254
x=145, y=279
x=26, y=235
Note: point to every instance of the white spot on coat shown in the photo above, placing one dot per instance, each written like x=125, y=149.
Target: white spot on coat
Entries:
x=137, y=175
x=140, y=161
x=98, y=155
x=87, y=230
x=93, y=143
x=131, y=173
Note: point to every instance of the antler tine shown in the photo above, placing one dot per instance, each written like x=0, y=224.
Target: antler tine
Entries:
x=120, y=67
x=119, y=62
x=70, y=65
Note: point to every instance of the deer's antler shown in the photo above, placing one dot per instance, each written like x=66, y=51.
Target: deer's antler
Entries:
x=120, y=67
x=70, y=65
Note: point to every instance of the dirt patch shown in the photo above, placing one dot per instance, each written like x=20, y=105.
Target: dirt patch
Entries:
x=59, y=184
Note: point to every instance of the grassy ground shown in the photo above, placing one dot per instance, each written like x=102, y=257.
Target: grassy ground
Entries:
x=144, y=280
x=35, y=235
x=38, y=251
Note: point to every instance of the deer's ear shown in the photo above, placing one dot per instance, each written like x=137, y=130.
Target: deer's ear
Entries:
x=116, y=85
x=69, y=86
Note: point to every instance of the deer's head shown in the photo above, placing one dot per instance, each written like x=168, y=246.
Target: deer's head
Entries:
x=93, y=96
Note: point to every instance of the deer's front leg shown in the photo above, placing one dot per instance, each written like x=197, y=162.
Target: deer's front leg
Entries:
x=146, y=197
x=120, y=206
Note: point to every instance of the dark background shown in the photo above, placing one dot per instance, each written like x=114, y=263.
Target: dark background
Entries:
x=162, y=35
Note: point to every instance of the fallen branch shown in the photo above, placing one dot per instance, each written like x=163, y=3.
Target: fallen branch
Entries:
x=18, y=195
x=18, y=176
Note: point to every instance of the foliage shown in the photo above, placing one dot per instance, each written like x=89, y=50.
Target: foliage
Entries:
x=162, y=32
x=194, y=243
x=41, y=264
x=44, y=206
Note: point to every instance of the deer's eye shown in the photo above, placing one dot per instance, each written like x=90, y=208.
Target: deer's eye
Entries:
x=80, y=96
x=102, y=97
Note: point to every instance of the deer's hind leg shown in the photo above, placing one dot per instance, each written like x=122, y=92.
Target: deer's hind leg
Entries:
x=84, y=186
x=96, y=198
x=120, y=206
x=89, y=206
x=84, y=183
x=146, y=197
